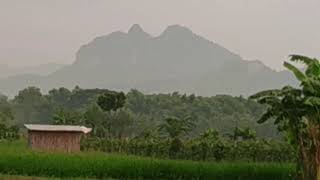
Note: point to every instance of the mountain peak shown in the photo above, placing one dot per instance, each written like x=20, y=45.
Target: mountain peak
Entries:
x=136, y=28
x=177, y=29
x=137, y=31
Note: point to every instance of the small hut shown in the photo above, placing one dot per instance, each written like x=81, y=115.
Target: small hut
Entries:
x=55, y=137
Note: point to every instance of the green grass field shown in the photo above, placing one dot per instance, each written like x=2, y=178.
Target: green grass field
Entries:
x=16, y=159
x=8, y=177
x=11, y=177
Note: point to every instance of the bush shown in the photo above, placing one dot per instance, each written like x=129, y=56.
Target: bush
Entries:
x=197, y=149
x=9, y=132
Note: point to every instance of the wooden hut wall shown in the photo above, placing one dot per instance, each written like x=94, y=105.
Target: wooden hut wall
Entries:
x=55, y=141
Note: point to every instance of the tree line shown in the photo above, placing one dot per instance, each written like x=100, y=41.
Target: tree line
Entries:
x=136, y=113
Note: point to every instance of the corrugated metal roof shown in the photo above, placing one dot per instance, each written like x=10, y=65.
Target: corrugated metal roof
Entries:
x=67, y=128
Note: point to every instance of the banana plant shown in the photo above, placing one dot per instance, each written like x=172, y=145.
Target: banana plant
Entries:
x=296, y=111
x=175, y=128
x=65, y=117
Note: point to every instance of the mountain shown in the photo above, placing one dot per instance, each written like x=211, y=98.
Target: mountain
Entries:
x=176, y=60
x=43, y=69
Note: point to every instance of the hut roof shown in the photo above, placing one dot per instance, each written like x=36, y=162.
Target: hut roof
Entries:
x=56, y=128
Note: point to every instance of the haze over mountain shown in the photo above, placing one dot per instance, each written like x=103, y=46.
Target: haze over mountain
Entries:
x=43, y=69
x=176, y=60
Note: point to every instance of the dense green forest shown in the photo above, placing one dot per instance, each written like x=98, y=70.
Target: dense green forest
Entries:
x=141, y=113
x=169, y=126
x=174, y=126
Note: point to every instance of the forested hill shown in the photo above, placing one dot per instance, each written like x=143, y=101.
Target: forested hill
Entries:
x=176, y=60
x=140, y=114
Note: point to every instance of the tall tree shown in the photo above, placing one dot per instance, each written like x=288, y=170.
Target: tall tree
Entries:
x=111, y=100
x=59, y=97
x=30, y=102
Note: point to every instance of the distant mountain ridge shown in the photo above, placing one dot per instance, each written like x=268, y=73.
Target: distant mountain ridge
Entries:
x=176, y=60
x=43, y=69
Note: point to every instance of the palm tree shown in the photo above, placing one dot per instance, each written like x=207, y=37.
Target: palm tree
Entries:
x=296, y=111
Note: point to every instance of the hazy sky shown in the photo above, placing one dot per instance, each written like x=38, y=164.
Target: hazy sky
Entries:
x=41, y=31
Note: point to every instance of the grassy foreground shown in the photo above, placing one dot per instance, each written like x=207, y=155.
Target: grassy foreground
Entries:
x=15, y=159
x=10, y=177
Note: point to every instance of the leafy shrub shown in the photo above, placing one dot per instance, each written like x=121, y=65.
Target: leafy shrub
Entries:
x=204, y=149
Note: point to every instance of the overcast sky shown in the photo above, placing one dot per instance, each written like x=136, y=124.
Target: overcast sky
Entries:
x=40, y=31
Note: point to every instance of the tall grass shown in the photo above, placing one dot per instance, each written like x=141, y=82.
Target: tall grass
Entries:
x=10, y=177
x=98, y=165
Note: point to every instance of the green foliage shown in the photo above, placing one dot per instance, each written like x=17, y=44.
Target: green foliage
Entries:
x=97, y=165
x=111, y=101
x=244, y=134
x=133, y=125
x=64, y=117
x=8, y=130
x=30, y=103
x=209, y=146
x=60, y=97
x=296, y=112
x=95, y=118
x=120, y=123
x=220, y=112
x=299, y=75
x=175, y=127
x=77, y=99
x=13, y=177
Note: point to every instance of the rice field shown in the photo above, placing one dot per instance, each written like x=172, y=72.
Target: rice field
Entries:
x=16, y=159
x=11, y=177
